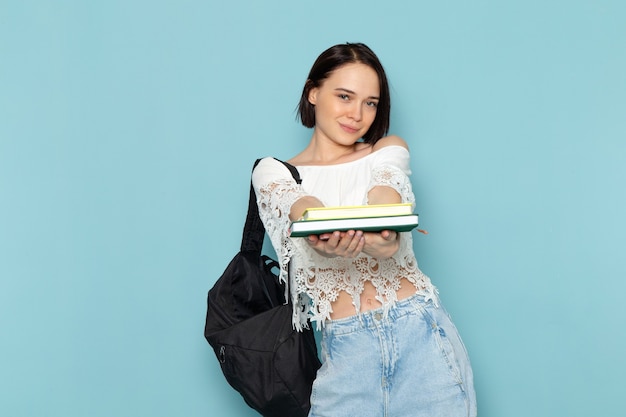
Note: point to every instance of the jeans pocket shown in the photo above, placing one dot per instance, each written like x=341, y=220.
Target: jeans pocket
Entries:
x=446, y=339
x=448, y=351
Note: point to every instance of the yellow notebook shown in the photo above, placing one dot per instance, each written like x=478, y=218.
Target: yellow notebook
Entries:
x=351, y=212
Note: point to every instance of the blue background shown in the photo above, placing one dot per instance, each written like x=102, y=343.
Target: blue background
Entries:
x=127, y=134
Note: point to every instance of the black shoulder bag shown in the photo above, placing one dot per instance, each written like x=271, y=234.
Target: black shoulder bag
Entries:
x=249, y=326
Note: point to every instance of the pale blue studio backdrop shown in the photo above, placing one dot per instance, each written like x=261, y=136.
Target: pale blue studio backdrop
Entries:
x=127, y=134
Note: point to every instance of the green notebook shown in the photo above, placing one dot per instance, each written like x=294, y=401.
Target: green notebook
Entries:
x=403, y=223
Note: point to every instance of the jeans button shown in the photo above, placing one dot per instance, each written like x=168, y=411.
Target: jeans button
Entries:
x=378, y=316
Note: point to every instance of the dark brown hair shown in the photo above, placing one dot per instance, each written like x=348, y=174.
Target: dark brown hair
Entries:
x=333, y=58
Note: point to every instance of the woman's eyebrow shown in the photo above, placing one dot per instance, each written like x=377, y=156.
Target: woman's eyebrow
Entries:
x=352, y=92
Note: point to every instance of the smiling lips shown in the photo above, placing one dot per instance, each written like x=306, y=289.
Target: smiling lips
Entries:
x=348, y=129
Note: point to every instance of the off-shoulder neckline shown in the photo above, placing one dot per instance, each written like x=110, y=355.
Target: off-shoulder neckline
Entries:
x=349, y=162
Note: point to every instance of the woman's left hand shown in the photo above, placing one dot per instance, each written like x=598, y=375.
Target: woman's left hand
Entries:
x=381, y=245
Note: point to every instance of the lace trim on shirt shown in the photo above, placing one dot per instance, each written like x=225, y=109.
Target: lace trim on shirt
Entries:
x=391, y=176
x=323, y=285
x=275, y=200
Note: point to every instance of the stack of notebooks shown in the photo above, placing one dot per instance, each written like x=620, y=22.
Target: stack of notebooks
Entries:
x=369, y=218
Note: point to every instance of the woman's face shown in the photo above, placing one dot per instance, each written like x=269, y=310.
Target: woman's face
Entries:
x=345, y=103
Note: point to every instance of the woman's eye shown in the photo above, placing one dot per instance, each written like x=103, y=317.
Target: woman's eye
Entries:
x=343, y=96
x=372, y=104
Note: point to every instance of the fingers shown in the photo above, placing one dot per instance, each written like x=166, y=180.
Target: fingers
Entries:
x=353, y=242
x=346, y=244
x=312, y=239
x=389, y=235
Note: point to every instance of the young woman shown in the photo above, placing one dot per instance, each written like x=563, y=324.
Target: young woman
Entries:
x=388, y=346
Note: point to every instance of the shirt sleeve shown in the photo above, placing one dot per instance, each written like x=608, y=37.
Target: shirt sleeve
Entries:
x=276, y=190
x=392, y=169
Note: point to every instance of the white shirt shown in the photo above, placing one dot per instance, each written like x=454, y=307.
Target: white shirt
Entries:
x=315, y=281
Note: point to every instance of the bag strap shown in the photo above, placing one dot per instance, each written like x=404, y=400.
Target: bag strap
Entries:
x=253, y=230
x=294, y=171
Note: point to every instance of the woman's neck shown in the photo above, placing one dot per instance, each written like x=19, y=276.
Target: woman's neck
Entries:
x=319, y=152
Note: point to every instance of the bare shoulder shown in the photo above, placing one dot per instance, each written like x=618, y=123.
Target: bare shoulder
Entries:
x=300, y=159
x=391, y=140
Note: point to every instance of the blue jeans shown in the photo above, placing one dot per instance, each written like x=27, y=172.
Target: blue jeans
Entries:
x=410, y=362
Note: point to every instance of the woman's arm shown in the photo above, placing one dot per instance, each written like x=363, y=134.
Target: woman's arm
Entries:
x=386, y=243
x=300, y=205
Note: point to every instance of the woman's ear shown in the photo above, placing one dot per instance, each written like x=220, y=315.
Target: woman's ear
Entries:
x=313, y=91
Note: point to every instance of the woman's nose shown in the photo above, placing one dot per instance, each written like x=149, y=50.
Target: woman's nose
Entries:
x=356, y=112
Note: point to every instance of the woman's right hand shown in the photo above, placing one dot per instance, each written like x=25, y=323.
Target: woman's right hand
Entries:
x=345, y=244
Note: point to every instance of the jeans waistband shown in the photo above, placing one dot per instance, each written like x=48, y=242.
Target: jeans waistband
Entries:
x=375, y=317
